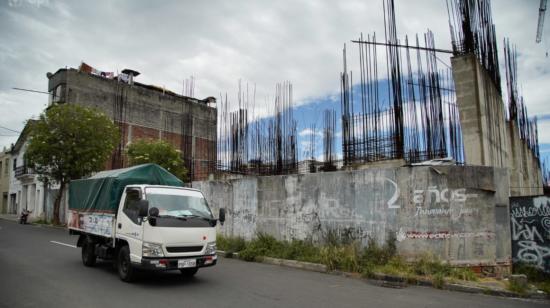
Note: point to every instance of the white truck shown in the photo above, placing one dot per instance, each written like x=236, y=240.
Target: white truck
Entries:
x=142, y=218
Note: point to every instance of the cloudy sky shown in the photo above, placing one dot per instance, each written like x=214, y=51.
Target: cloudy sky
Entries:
x=220, y=42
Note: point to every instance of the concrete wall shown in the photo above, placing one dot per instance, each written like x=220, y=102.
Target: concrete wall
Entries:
x=489, y=139
x=144, y=111
x=458, y=213
x=530, y=222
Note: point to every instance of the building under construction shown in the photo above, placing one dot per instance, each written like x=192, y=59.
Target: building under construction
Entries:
x=406, y=109
x=403, y=106
x=144, y=112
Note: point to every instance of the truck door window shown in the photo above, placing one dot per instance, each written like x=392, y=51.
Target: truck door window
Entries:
x=131, y=205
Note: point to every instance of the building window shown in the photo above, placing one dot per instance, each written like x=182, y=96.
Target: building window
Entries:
x=58, y=94
x=14, y=163
x=1, y=173
x=7, y=164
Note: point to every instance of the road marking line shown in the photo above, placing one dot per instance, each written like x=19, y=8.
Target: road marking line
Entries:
x=59, y=243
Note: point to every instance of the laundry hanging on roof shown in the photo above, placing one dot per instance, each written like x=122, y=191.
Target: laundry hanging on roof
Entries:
x=90, y=70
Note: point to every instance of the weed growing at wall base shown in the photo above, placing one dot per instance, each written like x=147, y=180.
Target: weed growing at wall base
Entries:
x=539, y=278
x=230, y=244
x=516, y=287
x=347, y=256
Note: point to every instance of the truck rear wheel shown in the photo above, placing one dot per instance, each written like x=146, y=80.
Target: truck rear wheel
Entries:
x=126, y=271
x=189, y=272
x=88, y=254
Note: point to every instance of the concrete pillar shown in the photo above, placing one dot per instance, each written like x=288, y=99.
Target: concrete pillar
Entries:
x=32, y=199
x=465, y=75
x=489, y=139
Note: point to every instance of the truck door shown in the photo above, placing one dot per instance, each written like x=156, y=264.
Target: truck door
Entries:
x=129, y=223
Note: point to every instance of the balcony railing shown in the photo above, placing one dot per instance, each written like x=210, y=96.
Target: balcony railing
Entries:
x=23, y=170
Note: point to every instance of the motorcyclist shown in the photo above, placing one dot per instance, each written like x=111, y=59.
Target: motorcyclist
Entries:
x=24, y=215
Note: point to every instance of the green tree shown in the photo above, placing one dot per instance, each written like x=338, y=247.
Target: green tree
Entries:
x=160, y=152
x=69, y=142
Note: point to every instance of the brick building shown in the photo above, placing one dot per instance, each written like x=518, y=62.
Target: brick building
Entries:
x=144, y=111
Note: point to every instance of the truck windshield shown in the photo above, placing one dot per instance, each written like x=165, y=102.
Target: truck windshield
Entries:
x=179, y=205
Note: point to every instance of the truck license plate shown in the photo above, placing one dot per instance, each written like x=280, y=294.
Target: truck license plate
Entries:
x=187, y=263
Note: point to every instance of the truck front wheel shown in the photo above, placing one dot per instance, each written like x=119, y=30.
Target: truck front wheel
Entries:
x=124, y=264
x=88, y=253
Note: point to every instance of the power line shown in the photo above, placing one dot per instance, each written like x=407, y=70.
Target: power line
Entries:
x=13, y=130
x=27, y=90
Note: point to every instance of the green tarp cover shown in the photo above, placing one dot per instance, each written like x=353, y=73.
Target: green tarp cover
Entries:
x=102, y=192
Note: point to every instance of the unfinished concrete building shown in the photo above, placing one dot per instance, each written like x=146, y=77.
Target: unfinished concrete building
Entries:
x=490, y=139
x=144, y=111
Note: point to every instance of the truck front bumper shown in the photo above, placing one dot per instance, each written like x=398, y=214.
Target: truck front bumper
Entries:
x=172, y=263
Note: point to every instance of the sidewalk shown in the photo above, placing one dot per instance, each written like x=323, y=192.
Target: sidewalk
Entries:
x=12, y=217
x=487, y=286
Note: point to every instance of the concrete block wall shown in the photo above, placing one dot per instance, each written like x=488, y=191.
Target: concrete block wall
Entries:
x=460, y=213
x=147, y=112
x=489, y=139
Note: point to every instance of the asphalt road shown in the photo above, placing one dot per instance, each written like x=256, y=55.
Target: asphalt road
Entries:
x=38, y=270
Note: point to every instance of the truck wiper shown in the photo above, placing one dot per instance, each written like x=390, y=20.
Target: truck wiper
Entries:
x=184, y=217
x=164, y=216
x=194, y=216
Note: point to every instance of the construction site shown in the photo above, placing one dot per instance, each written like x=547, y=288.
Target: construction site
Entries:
x=430, y=153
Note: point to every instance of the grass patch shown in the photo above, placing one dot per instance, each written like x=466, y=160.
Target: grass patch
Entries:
x=516, y=287
x=462, y=273
x=41, y=222
x=533, y=274
x=438, y=280
x=539, y=278
x=346, y=254
x=300, y=250
x=230, y=244
x=267, y=246
x=429, y=265
x=543, y=286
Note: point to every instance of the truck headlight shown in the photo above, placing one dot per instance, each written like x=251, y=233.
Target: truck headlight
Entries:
x=210, y=248
x=152, y=250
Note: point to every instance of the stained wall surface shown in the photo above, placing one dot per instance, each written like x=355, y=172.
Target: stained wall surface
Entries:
x=459, y=213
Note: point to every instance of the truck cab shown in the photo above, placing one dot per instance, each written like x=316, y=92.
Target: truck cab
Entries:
x=177, y=232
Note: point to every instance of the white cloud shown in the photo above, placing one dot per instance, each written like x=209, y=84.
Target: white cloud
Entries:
x=309, y=132
x=220, y=42
x=544, y=131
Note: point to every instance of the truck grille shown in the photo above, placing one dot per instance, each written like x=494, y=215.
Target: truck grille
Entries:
x=184, y=249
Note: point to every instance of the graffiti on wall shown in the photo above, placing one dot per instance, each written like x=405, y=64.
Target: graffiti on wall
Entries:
x=448, y=202
x=435, y=202
x=402, y=235
x=530, y=224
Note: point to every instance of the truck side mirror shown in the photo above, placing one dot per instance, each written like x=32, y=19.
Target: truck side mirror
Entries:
x=154, y=212
x=221, y=216
x=143, y=207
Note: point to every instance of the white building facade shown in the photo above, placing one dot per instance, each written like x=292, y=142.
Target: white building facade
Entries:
x=26, y=191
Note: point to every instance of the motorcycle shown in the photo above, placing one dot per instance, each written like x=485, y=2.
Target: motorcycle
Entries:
x=24, y=215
